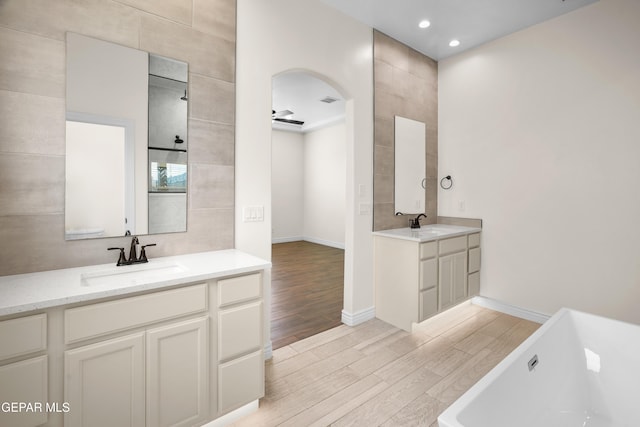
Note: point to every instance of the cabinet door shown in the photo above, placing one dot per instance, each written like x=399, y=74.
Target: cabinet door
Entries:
x=104, y=383
x=177, y=374
x=452, y=279
x=25, y=382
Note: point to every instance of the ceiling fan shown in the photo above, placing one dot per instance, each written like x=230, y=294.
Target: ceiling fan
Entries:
x=281, y=116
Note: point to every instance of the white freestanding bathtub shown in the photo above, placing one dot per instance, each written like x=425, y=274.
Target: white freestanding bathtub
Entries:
x=577, y=369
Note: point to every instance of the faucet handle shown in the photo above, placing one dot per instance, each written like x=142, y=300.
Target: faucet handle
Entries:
x=122, y=260
x=143, y=254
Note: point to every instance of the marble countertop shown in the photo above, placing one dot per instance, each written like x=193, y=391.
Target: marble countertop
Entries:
x=428, y=232
x=34, y=291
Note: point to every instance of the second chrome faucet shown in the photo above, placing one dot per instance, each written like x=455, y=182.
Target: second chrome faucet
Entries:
x=133, y=253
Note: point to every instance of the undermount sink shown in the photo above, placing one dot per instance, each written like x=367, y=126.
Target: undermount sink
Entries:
x=131, y=274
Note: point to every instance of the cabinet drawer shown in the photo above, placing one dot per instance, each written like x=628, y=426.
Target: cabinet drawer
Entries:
x=474, y=240
x=474, y=284
x=103, y=318
x=24, y=382
x=240, y=381
x=239, y=330
x=428, y=303
x=455, y=244
x=23, y=335
x=428, y=273
x=238, y=289
x=474, y=260
x=428, y=250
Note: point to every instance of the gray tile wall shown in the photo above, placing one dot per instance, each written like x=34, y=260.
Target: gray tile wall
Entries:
x=406, y=84
x=32, y=119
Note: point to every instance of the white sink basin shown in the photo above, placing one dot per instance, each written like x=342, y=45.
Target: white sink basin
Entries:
x=131, y=274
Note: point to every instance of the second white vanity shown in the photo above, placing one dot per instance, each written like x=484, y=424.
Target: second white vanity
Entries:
x=421, y=272
x=177, y=341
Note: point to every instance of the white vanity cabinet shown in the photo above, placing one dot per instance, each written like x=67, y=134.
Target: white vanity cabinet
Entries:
x=134, y=348
x=452, y=271
x=416, y=279
x=157, y=375
x=241, y=365
x=23, y=362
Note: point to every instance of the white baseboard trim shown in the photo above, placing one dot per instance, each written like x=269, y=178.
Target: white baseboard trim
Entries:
x=353, y=319
x=286, y=239
x=512, y=310
x=234, y=416
x=268, y=350
x=324, y=242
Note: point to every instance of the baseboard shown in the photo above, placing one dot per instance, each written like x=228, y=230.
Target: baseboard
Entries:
x=353, y=319
x=337, y=245
x=323, y=242
x=268, y=350
x=512, y=310
x=286, y=239
x=234, y=416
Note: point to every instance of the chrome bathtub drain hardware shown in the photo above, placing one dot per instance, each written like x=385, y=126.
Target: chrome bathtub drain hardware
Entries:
x=533, y=362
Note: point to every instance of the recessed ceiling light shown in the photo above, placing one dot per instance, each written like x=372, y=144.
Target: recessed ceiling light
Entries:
x=454, y=43
x=424, y=24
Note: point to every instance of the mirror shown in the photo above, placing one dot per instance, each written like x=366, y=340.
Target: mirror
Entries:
x=126, y=141
x=410, y=165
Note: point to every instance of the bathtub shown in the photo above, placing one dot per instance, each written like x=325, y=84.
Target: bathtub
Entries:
x=577, y=369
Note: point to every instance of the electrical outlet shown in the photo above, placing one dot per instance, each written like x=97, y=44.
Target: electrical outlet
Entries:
x=462, y=205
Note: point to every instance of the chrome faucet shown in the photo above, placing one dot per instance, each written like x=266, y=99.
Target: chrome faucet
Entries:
x=133, y=253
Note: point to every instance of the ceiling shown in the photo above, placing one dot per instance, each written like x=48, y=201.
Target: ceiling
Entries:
x=472, y=22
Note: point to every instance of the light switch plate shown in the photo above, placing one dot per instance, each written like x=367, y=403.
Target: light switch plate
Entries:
x=253, y=214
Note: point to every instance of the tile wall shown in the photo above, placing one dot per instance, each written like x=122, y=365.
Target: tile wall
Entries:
x=32, y=119
x=406, y=84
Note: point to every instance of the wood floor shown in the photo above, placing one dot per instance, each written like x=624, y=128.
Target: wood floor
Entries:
x=307, y=288
x=377, y=375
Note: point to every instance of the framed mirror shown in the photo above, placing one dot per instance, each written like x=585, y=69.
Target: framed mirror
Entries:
x=410, y=166
x=126, y=141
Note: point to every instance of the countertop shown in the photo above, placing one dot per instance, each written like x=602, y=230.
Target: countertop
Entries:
x=34, y=291
x=428, y=232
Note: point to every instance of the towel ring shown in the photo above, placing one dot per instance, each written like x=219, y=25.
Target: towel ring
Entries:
x=446, y=182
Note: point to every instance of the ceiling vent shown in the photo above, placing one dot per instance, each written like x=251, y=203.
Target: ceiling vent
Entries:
x=329, y=99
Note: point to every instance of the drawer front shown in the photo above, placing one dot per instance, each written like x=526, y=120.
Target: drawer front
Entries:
x=474, y=260
x=239, y=330
x=428, y=303
x=474, y=284
x=428, y=250
x=428, y=274
x=240, y=381
x=238, y=289
x=474, y=240
x=455, y=244
x=23, y=335
x=103, y=318
x=24, y=382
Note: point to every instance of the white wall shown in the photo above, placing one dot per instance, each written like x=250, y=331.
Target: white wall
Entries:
x=308, y=181
x=287, y=186
x=540, y=132
x=324, y=185
x=282, y=35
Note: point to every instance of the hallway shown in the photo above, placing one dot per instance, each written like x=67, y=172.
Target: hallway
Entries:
x=307, y=287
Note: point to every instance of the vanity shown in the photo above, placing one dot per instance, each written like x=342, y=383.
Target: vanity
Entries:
x=176, y=341
x=421, y=272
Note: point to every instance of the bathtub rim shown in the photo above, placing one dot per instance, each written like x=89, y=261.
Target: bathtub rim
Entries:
x=449, y=417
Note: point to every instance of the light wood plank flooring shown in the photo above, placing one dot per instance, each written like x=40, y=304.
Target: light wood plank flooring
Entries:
x=377, y=375
x=307, y=288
